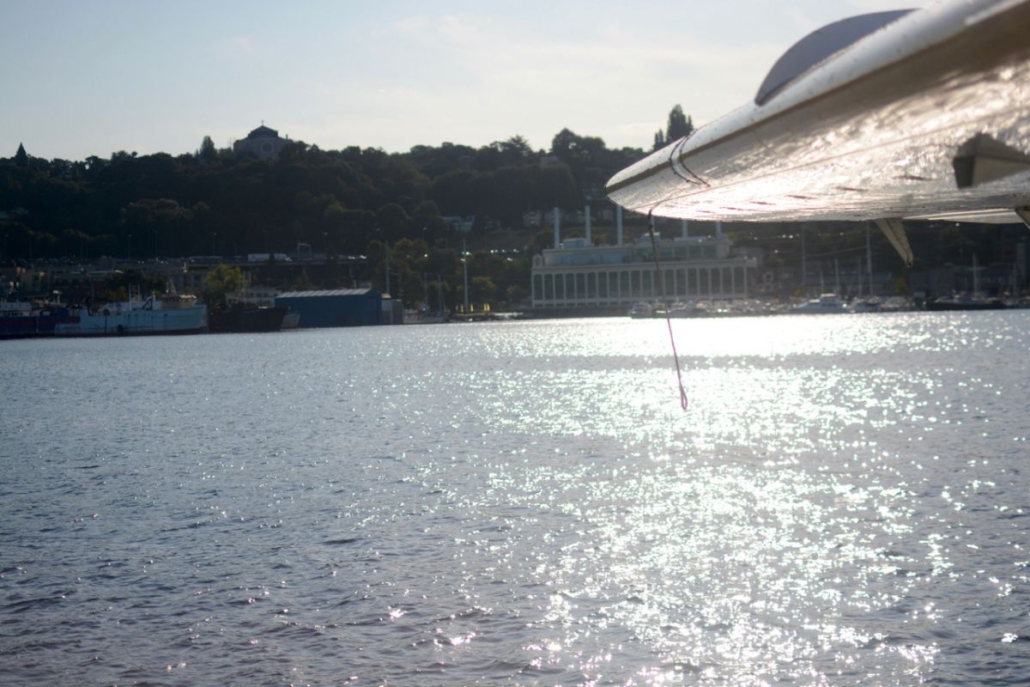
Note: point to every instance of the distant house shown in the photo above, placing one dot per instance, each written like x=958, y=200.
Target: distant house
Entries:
x=262, y=142
x=460, y=225
x=532, y=219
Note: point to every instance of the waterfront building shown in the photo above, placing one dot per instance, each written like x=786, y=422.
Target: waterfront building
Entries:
x=580, y=276
x=334, y=307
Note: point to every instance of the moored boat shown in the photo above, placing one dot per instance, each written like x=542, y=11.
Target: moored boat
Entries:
x=246, y=319
x=827, y=303
x=641, y=310
x=645, y=310
x=966, y=302
x=25, y=320
x=424, y=317
x=687, y=309
x=173, y=315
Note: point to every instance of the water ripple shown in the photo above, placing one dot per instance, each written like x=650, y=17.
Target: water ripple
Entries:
x=521, y=503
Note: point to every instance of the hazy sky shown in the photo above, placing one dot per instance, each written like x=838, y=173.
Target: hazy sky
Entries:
x=90, y=77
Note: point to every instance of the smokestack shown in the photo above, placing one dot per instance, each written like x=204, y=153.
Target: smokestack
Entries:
x=589, y=242
x=618, y=225
x=685, y=230
x=557, y=230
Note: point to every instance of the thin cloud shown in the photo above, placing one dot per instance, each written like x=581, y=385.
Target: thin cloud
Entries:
x=237, y=46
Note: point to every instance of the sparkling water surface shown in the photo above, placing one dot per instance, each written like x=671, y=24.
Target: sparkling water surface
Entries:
x=844, y=503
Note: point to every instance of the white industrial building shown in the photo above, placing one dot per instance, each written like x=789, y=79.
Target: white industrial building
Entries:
x=576, y=274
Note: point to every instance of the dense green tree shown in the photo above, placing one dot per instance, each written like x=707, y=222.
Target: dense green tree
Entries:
x=518, y=148
x=452, y=193
x=393, y=222
x=679, y=125
x=75, y=242
x=154, y=222
x=437, y=161
x=482, y=290
x=589, y=160
x=334, y=218
x=207, y=153
x=516, y=294
x=513, y=152
x=427, y=216
x=659, y=140
x=220, y=282
x=357, y=227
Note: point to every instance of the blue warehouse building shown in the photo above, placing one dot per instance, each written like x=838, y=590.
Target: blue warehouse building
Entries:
x=334, y=307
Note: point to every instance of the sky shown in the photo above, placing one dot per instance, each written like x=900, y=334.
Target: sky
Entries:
x=81, y=78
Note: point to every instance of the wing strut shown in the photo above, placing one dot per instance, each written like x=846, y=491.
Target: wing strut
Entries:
x=984, y=158
x=1024, y=214
x=894, y=230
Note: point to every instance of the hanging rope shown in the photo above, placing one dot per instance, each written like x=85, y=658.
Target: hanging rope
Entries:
x=684, y=403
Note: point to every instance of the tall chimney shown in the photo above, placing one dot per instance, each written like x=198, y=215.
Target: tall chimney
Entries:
x=589, y=242
x=557, y=230
x=618, y=225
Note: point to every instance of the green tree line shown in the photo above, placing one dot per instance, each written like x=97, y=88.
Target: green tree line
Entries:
x=348, y=202
x=338, y=201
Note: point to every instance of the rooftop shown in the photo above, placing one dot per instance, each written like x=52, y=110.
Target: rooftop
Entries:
x=263, y=132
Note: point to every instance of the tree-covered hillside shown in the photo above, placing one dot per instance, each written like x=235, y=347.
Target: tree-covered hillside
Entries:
x=338, y=201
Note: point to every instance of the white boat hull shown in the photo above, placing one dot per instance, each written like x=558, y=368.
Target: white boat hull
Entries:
x=135, y=322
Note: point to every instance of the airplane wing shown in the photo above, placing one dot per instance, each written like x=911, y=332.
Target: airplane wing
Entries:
x=884, y=117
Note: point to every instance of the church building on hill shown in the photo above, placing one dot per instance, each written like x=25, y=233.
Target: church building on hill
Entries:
x=262, y=142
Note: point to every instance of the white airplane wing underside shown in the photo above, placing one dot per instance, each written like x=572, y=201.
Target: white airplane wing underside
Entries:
x=925, y=115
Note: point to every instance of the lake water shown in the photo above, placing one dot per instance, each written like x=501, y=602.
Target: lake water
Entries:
x=846, y=502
